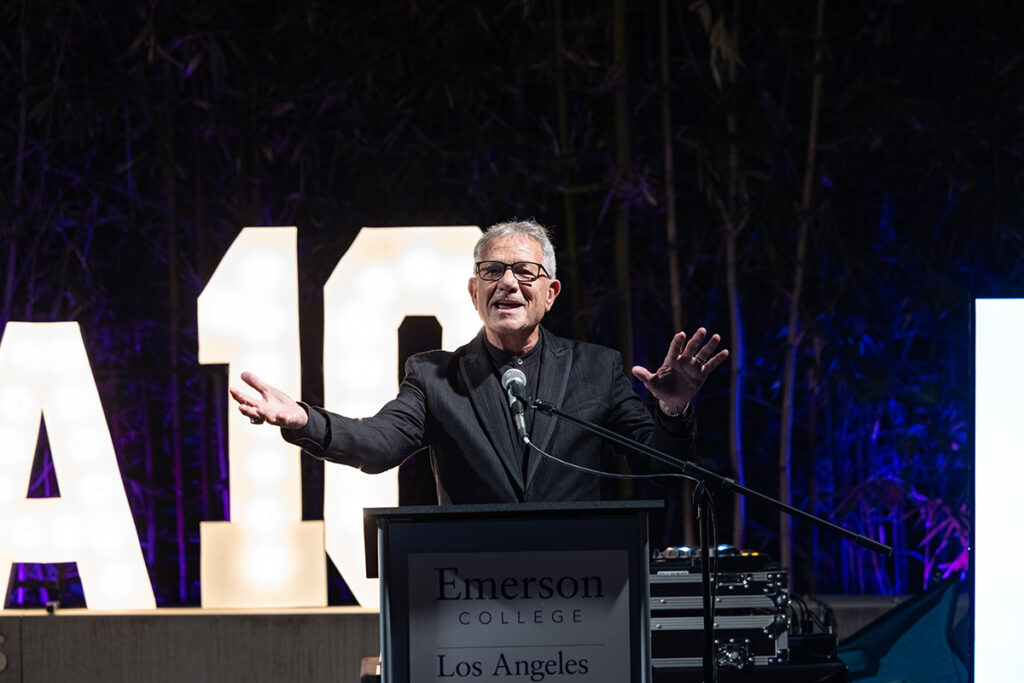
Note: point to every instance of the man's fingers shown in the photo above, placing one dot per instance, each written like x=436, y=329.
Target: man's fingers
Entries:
x=249, y=406
x=254, y=381
x=709, y=348
x=675, y=348
x=694, y=344
x=243, y=398
x=716, y=360
x=642, y=374
x=248, y=411
x=703, y=354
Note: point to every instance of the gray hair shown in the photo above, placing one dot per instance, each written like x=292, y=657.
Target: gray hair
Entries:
x=529, y=228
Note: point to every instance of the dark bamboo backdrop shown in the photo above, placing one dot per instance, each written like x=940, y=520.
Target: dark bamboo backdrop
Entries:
x=825, y=183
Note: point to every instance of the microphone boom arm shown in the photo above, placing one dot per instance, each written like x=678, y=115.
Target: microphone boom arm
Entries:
x=698, y=472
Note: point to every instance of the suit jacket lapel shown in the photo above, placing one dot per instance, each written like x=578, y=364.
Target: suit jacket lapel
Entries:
x=554, y=378
x=486, y=396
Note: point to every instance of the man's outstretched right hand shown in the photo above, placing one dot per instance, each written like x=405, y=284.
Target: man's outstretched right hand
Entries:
x=273, y=405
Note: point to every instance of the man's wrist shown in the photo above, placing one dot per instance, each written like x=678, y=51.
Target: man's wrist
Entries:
x=301, y=419
x=674, y=414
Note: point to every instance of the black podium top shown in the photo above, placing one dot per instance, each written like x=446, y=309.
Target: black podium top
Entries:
x=376, y=517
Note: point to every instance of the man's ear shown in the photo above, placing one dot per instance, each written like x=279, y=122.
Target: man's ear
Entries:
x=554, y=287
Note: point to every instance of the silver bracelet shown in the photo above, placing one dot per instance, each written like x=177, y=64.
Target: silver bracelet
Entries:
x=681, y=413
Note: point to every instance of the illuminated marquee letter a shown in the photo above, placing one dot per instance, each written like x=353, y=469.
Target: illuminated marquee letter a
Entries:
x=44, y=371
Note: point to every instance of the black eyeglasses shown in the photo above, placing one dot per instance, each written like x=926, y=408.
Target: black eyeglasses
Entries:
x=524, y=271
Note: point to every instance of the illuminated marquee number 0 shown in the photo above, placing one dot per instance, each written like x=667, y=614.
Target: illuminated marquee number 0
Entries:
x=266, y=556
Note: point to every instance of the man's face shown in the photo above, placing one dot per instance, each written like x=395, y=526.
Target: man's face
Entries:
x=511, y=310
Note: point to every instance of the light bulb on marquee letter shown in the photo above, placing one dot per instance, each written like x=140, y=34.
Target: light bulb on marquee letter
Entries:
x=386, y=275
x=266, y=556
x=44, y=370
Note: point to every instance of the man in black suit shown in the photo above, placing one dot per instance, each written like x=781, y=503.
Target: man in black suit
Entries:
x=453, y=402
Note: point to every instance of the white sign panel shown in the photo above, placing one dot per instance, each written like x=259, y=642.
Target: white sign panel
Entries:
x=998, y=475
x=555, y=616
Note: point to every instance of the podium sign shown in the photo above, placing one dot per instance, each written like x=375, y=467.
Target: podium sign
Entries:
x=534, y=592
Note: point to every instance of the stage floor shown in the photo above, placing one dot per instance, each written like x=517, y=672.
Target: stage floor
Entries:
x=174, y=645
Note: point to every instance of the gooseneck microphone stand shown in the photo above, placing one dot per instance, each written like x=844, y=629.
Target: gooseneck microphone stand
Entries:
x=708, y=481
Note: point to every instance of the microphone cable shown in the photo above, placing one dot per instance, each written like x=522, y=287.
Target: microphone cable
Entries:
x=602, y=473
x=700, y=490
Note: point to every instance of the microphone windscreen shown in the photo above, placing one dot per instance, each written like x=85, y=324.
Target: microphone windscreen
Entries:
x=511, y=376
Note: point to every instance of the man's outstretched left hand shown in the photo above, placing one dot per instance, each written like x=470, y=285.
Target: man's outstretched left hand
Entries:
x=686, y=366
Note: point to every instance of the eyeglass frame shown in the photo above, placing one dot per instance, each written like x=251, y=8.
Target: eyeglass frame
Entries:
x=512, y=266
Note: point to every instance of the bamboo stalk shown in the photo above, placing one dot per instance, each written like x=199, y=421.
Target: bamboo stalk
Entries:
x=623, y=299
x=572, y=263
x=785, y=460
x=733, y=226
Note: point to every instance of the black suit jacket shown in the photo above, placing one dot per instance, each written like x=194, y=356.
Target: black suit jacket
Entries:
x=453, y=404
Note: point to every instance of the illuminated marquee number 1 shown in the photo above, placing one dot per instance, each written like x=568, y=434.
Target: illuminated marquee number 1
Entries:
x=248, y=318
x=266, y=556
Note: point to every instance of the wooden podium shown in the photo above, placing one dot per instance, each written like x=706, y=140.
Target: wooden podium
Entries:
x=535, y=592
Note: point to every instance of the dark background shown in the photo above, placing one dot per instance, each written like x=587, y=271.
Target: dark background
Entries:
x=834, y=235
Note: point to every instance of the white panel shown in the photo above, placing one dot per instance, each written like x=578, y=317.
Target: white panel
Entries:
x=998, y=481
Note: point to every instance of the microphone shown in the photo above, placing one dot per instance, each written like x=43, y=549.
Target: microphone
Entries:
x=514, y=382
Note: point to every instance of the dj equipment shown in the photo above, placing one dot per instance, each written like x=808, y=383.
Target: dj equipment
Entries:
x=751, y=624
